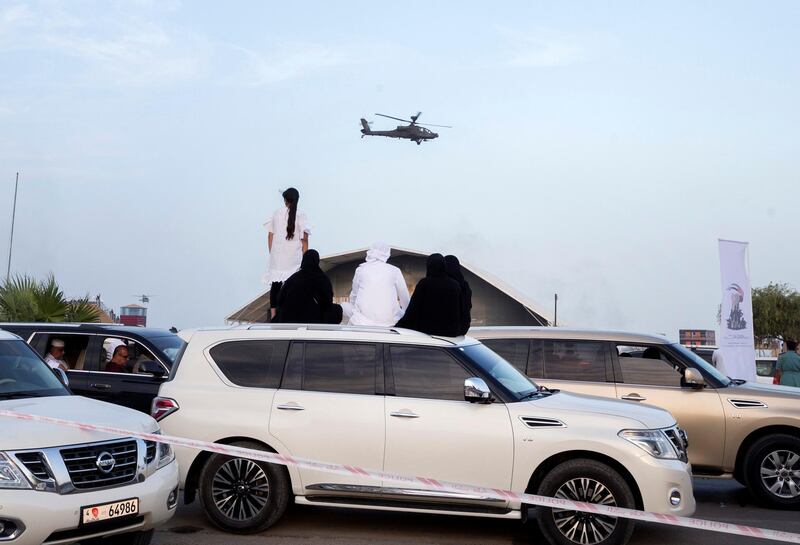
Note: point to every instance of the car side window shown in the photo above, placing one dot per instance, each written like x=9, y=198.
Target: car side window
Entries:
x=648, y=365
x=575, y=360
x=74, y=350
x=427, y=373
x=118, y=355
x=514, y=351
x=340, y=367
x=255, y=364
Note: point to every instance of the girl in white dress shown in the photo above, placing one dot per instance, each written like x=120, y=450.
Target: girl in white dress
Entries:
x=288, y=240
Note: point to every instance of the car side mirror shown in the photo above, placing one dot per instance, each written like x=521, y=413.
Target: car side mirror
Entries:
x=477, y=391
x=694, y=379
x=153, y=368
x=61, y=376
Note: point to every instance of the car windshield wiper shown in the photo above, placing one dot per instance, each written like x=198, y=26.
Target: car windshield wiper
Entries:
x=21, y=395
x=737, y=381
x=532, y=393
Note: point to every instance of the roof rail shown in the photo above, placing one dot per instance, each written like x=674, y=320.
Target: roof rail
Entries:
x=334, y=327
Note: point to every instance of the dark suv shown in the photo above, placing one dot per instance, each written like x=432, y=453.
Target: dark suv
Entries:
x=86, y=353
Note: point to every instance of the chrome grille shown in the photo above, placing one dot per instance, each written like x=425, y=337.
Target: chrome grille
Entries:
x=150, y=451
x=680, y=441
x=36, y=464
x=83, y=468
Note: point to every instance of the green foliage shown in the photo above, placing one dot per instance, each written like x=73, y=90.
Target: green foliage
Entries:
x=24, y=299
x=776, y=312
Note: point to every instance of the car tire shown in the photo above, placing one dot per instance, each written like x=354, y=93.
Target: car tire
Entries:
x=600, y=483
x=772, y=471
x=131, y=538
x=254, y=494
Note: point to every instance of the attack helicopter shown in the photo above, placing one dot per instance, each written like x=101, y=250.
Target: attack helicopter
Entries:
x=417, y=132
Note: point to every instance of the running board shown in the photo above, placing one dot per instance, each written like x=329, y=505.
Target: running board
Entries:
x=408, y=507
x=394, y=493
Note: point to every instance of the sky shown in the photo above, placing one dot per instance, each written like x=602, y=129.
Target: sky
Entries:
x=599, y=149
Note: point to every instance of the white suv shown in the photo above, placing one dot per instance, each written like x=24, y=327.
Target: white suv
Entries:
x=64, y=485
x=409, y=404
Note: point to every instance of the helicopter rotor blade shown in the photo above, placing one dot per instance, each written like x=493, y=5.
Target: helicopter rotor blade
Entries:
x=396, y=118
x=432, y=125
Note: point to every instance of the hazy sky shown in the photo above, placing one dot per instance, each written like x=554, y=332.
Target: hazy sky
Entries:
x=599, y=150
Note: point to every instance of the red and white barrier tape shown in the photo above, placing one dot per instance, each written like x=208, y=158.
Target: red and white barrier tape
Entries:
x=531, y=499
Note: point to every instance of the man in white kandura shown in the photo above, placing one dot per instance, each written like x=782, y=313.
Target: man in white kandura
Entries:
x=55, y=356
x=379, y=296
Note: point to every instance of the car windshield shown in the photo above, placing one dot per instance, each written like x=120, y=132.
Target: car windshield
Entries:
x=170, y=345
x=701, y=364
x=24, y=374
x=500, y=370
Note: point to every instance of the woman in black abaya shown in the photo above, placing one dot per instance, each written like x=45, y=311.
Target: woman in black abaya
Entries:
x=435, y=306
x=453, y=269
x=307, y=296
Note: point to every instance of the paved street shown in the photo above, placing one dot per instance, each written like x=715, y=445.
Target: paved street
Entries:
x=718, y=500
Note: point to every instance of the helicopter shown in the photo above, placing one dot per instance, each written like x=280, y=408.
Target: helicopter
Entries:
x=414, y=131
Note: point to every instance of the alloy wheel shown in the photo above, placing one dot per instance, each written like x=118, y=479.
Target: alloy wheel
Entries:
x=240, y=489
x=584, y=528
x=780, y=473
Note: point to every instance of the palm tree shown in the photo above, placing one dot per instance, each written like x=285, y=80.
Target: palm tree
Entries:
x=24, y=299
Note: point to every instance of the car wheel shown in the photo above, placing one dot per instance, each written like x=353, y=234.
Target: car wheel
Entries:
x=589, y=481
x=244, y=496
x=131, y=538
x=773, y=470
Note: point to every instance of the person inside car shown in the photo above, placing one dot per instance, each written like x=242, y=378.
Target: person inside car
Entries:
x=55, y=356
x=119, y=357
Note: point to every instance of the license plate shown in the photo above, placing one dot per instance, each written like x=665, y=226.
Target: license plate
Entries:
x=106, y=511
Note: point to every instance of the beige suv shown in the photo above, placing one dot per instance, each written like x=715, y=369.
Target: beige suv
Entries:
x=738, y=429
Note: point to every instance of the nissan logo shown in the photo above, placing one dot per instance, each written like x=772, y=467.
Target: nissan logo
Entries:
x=105, y=462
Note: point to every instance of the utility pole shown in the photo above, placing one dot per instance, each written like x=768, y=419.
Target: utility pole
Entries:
x=13, y=217
x=555, y=314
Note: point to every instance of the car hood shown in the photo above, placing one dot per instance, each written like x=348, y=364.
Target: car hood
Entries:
x=646, y=416
x=24, y=434
x=762, y=390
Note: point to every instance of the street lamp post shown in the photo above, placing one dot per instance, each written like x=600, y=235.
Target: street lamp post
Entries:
x=13, y=218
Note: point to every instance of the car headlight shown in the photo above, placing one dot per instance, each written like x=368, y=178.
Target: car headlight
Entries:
x=165, y=455
x=653, y=442
x=10, y=475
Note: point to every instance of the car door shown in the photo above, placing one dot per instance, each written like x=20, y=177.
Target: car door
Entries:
x=133, y=387
x=431, y=431
x=329, y=408
x=649, y=374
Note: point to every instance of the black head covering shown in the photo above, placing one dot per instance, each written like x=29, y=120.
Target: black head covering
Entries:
x=453, y=268
x=435, y=265
x=307, y=295
x=310, y=262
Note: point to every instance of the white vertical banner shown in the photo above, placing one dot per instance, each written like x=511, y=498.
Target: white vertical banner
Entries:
x=736, y=343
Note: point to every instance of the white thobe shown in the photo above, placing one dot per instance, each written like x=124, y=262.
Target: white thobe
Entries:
x=54, y=362
x=379, y=296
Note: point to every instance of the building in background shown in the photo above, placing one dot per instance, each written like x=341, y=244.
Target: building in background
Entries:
x=134, y=314
x=697, y=337
x=493, y=302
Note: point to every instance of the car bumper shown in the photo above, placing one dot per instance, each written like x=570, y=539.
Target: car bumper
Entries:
x=660, y=480
x=44, y=513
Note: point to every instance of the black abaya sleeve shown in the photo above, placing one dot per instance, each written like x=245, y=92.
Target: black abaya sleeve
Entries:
x=411, y=318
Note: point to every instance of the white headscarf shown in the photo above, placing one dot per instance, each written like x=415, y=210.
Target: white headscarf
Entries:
x=379, y=251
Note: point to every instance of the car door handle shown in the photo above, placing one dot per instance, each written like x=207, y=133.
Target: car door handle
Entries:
x=291, y=406
x=100, y=386
x=634, y=397
x=405, y=413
